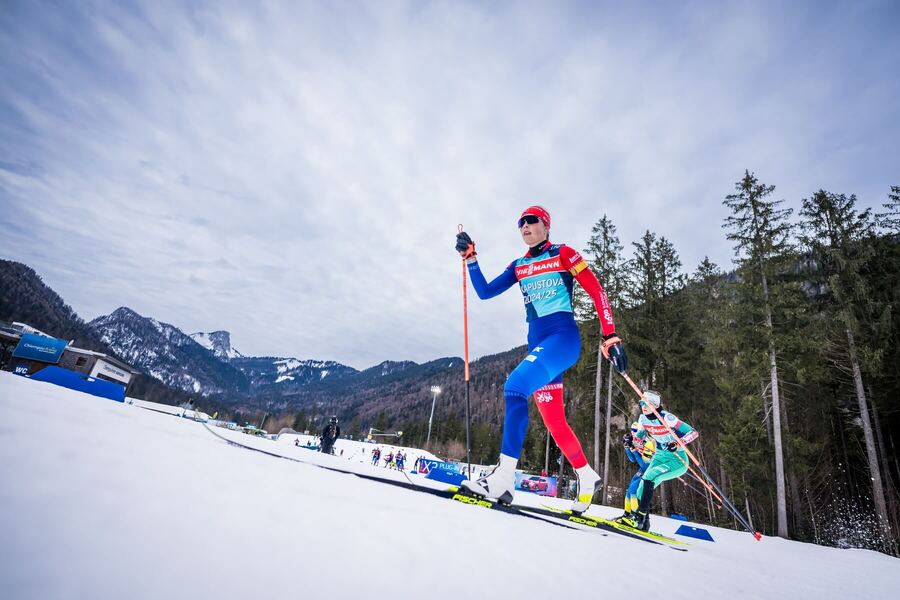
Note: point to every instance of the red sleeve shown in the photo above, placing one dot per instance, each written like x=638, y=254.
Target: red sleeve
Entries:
x=578, y=267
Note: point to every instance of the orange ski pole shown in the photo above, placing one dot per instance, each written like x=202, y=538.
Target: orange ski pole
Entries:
x=466, y=346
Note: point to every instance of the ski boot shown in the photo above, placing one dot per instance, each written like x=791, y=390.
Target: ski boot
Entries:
x=589, y=483
x=629, y=519
x=498, y=484
x=642, y=521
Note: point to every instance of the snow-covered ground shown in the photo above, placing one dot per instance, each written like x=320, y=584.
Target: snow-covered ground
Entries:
x=106, y=500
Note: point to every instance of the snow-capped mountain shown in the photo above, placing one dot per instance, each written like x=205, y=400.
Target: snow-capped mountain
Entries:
x=272, y=370
x=264, y=371
x=389, y=367
x=168, y=354
x=217, y=342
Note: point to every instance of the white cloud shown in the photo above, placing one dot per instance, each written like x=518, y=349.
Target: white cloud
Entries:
x=295, y=172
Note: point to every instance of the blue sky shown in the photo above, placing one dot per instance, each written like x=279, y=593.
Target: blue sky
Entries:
x=294, y=172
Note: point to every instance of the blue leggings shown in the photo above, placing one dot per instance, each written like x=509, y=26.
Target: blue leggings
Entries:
x=554, y=345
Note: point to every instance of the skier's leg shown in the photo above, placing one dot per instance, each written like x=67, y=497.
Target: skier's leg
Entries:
x=500, y=482
x=546, y=360
x=527, y=377
x=631, y=498
x=556, y=353
x=549, y=400
x=663, y=467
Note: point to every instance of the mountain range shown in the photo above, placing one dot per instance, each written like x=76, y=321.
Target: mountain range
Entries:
x=206, y=367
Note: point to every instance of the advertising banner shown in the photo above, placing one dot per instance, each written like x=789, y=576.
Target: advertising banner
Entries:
x=426, y=466
x=543, y=486
x=81, y=383
x=39, y=347
x=107, y=370
x=440, y=471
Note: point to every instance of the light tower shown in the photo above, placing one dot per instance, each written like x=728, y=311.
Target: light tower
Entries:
x=435, y=389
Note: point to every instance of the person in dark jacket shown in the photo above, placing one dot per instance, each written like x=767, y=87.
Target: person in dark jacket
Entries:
x=331, y=432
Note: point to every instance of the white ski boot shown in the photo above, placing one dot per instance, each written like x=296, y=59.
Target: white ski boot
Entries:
x=499, y=482
x=589, y=483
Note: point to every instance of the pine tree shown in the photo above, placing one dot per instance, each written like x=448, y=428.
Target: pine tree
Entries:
x=654, y=276
x=890, y=220
x=761, y=230
x=837, y=237
x=605, y=254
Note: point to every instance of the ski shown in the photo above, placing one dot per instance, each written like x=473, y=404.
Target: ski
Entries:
x=595, y=524
x=556, y=517
x=452, y=493
x=600, y=521
x=559, y=514
x=457, y=495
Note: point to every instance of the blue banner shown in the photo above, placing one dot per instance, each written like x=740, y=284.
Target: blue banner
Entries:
x=81, y=382
x=439, y=470
x=426, y=466
x=39, y=347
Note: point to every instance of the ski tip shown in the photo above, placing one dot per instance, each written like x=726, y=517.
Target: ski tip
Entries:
x=757, y=535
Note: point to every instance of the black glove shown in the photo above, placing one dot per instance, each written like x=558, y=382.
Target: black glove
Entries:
x=672, y=446
x=464, y=245
x=627, y=441
x=614, y=352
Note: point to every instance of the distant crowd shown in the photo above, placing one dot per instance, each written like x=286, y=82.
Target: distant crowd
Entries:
x=392, y=460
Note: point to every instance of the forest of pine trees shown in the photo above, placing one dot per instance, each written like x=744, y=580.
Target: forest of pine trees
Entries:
x=786, y=362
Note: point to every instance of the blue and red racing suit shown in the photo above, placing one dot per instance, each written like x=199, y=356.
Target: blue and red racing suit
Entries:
x=545, y=276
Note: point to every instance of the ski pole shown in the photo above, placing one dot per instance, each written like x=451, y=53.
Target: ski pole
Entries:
x=466, y=345
x=697, y=477
x=704, y=484
x=731, y=508
x=699, y=491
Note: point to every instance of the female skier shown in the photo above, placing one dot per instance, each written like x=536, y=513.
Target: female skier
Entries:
x=545, y=275
x=670, y=460
x=639, y=452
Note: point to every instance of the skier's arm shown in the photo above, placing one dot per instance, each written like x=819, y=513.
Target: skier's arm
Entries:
x=630, y=454
x=635, y=457
x=466, y=248
x=578, y=267
x=611, y=347
x=497, y=286
x=685, y=432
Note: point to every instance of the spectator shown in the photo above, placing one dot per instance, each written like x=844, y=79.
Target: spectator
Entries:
x=331, y=433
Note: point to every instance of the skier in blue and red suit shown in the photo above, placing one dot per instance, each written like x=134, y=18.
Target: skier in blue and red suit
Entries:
x=545, y=275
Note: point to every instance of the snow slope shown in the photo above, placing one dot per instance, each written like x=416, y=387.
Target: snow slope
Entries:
x=106, y=500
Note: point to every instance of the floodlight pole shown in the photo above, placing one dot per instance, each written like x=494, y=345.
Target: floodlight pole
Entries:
x=434, y=390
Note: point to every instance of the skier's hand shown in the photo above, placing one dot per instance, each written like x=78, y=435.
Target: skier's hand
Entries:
x=464, y=245
x=627, y=441
x=673, y=446
x=614, y=352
